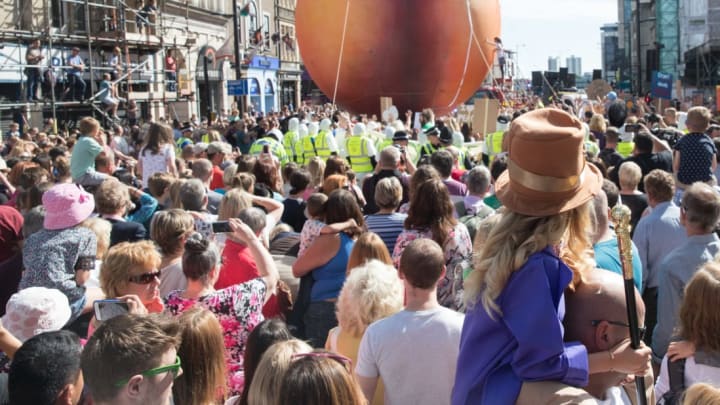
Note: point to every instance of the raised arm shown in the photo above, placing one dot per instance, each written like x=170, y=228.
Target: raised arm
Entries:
x=265, y=263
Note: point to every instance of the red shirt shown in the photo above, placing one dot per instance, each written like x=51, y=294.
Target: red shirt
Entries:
x=239, y=266
x=217, y=178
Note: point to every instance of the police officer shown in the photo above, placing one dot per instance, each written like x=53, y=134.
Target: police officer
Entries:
x=446, y=140
x=412, y=148
x=270, y=144
x=360, y=151
x=433, y=141
x=494, y=141
x=184, y=139
x=291, y=140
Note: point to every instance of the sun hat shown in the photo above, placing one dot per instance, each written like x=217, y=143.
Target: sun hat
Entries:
x=66, y=205
x=36, y=310
x=546, y=169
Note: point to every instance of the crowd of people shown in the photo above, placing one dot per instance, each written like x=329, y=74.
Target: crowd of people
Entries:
x=315, y=257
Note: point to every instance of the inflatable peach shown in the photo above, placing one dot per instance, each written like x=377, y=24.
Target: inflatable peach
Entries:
x=414, y=51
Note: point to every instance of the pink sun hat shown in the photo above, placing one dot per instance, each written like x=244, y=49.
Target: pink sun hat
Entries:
x=66, y=205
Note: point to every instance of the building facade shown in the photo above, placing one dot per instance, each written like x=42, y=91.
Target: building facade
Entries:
x=611, y=53
x=574, y=65
x=553, y=64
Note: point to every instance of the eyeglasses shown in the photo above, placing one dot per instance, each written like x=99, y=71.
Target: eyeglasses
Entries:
x=173, y=368
x=344, y=361
x=145, y=278
x=641, y=330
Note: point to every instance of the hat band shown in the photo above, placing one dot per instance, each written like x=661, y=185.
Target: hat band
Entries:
x=536, y=182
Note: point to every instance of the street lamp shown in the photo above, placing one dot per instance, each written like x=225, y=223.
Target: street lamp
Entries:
x=208, y=93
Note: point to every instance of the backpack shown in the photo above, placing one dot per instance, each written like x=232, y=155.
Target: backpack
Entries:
x=472, y=222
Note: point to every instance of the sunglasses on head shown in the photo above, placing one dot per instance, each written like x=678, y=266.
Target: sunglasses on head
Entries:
x=145, y=278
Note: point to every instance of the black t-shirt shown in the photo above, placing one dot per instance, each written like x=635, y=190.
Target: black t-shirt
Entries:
x=647, y=162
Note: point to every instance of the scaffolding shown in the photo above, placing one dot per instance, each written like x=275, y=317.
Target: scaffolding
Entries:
x=701, y=51
x=96, y=27
x=668, y=36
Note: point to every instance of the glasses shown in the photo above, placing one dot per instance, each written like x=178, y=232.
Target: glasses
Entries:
x=344, y=361
x=173, y=368
x=145, y=278
x=641, y=330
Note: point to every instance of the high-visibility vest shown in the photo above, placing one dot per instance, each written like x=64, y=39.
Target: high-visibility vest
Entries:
x=181, y=143
x=356, y=147
x=205, y=138
x=494, y=142
x=414, y=151
x=308, y=143
x=625, y=148
x=428, y=149
x=276, y=149
x=290, y=142
x=382, y=144
x=321, y=145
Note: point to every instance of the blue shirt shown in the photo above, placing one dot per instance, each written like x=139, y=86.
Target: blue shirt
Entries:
x=656, y=235
x=75, y=60
x=329, y=277
x=674, y=273
x=387, y=226
x=525, y=343
x=607, y=257
x=696, y=154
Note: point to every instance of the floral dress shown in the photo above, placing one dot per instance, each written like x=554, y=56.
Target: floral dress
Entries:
x=239, y=311
x=458, y=259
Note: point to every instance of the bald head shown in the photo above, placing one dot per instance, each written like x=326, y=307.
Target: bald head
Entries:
x=600, y=297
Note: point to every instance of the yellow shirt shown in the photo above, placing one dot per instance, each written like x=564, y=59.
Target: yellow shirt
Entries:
x=343, y=343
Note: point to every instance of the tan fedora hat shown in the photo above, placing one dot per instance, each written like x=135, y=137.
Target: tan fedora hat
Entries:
x=546, y=172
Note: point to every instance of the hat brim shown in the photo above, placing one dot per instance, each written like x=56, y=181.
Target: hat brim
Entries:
x=534, y=203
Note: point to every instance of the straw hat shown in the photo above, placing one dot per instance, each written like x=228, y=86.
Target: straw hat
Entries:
x=547, y=173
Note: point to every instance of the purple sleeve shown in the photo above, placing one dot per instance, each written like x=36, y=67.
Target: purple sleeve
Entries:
x=532, y=317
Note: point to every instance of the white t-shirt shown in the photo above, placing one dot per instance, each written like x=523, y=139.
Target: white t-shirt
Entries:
x=694, y=373
x=152, y=164
x=615, y=396
x=415, y=354
x=172, y=278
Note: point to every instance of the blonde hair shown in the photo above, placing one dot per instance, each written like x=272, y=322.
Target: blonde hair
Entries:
x=122, y=261
x=232, y=203
x=88, y=126
x=372, y=291
x=269, y=374
x=101, y=228
x=699, y=319
x=597, y=123
x=515, y=238
x=111, y=196
x=202, y=350
x=368, y=246
x=630, y=175
x=174, y=192
x=701, y=394
x=316, y=167
x=229, y=175
x=388, y=192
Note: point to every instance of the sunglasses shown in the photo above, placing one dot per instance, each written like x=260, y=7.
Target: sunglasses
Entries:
x=344, y=361
x=145, y=278
x=641, y=330
x=172, y=368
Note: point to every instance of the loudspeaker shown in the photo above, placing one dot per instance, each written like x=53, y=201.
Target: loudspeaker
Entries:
x=652, y=57
x=537, y=80
x=597, y=74
x=563, y=74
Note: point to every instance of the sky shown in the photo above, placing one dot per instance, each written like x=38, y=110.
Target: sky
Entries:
x=539, y=29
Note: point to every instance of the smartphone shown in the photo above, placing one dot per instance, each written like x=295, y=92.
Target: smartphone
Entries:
x=221, y=227
x=266, y=148
x=110, y=308
x=632, y=128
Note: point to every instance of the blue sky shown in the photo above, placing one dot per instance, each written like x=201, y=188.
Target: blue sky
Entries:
x=543, y=28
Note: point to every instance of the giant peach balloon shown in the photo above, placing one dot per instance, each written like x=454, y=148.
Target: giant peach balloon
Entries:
x=414, y=51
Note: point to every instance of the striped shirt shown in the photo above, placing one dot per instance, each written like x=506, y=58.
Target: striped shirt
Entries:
x=387, y=226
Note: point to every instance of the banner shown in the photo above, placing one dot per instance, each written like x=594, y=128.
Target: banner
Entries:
x=661, y=86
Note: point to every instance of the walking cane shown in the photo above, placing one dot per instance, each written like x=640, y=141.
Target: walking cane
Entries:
x=621, y=216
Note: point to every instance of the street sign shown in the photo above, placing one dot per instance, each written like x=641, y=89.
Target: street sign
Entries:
x=661, y=86
x=237, y=87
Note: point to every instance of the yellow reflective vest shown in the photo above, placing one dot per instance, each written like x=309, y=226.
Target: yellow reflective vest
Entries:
x=625, y=148
x=276, y=149
x=493, y=142
x=290, y=142
x=321, y=144
x=356, y=147
x=308, y=146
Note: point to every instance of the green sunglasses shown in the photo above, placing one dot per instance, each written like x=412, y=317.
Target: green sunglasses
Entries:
x=174, y=368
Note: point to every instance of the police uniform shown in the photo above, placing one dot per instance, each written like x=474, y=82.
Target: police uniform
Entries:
x=275, y=148
x=359, y=150
x=291, y=141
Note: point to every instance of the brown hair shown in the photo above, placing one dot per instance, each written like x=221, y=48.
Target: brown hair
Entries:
x=659, y=185
x=111, y=196
x=341, y=206
x=335, y=165
x=421, y=175
x=699, y=318
x=701, y=394
x=431, y=208
x=245, y=181
x=698, y=119
x=422, y=263
x=88, y=126
x=334, y=182
x=234, y=201
x=368, y=246
x=121, y=261
x=203, y=359
x=266, y=173
x=316, y=205
x=157, y=135
x=319, y=380
x=125, y=346
x=159, y=182
x=169, y=229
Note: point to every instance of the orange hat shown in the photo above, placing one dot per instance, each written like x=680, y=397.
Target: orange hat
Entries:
x=546, y=171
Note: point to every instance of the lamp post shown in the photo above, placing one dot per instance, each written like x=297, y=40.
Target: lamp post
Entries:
x=208, y=93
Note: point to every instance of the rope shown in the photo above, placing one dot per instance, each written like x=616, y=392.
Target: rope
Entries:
x=467, y=55
x=342, y=49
